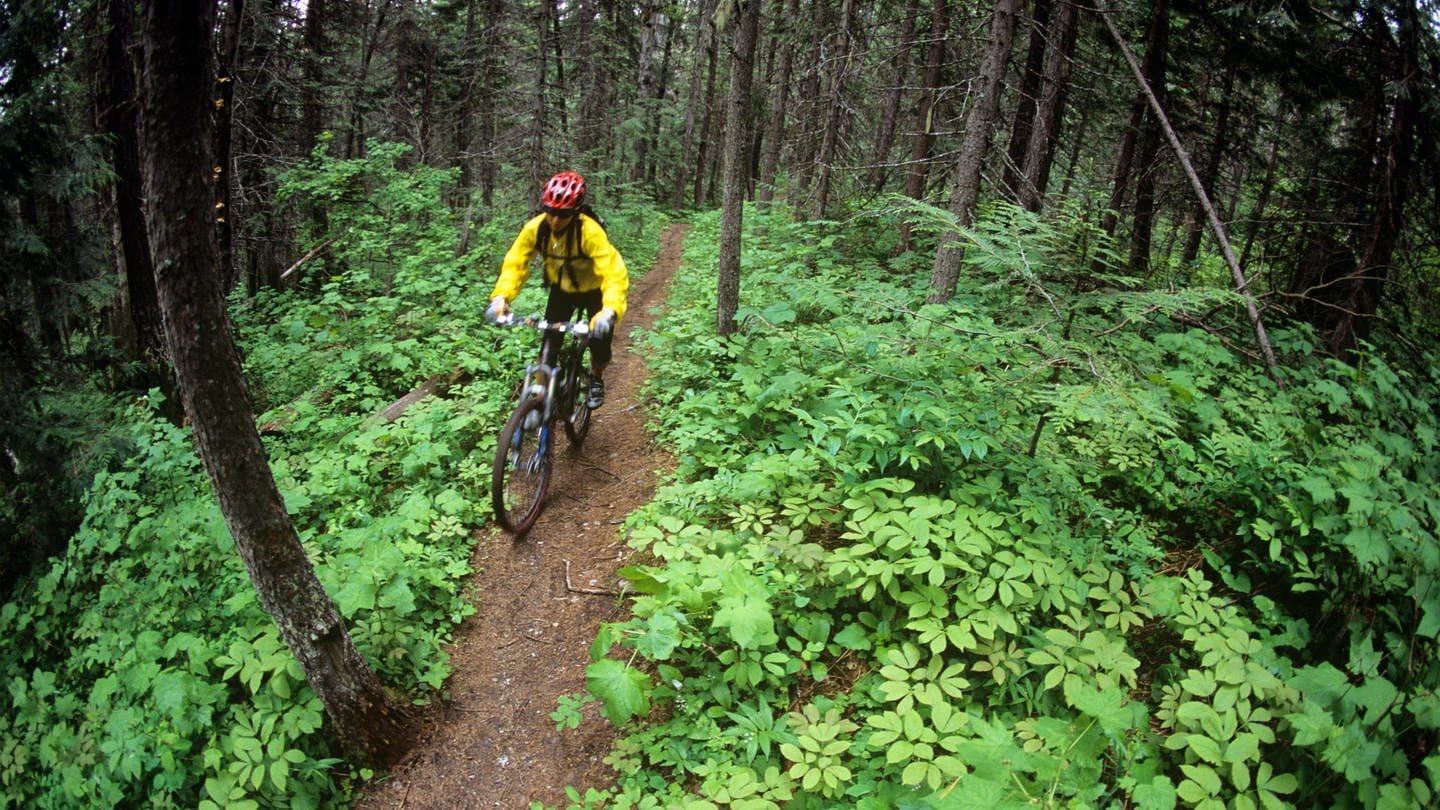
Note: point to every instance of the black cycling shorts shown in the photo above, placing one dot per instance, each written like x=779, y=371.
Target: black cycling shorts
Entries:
x=562, y=306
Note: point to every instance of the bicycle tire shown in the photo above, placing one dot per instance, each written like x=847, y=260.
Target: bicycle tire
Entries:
x=577, y=416
x=520, y=476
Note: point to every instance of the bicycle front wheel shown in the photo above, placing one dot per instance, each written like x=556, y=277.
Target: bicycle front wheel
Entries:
x=577, y=418
x=521, y=474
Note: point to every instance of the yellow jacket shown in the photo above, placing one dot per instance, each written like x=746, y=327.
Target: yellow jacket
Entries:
x=596, y=265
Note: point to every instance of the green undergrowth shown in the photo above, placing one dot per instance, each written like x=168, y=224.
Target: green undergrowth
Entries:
x=1059, y=542
x=140, y=670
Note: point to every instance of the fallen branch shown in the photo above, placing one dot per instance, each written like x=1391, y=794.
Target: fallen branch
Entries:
x=315, y=251
x=437, y=384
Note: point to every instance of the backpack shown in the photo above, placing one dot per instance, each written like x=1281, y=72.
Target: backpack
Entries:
x=574, y=245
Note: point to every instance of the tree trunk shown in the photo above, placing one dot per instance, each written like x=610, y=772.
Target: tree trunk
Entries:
x=704, y=160
x=918, y=172
x=224, y=100
x=784, y=37
x=1361, y=294
x=1022, y=129
x=700, y=54
x=538, y=160
x=890, y=113
x=965, y=191
x=1142, y=223
x=652, y=29
x=465, y=106
x=175, y=96
x=809, y=112
x=489, y=129
x=744, y=24
x=122, y=124
x=312, y=100
x=1050, y=109
x=1210, y=172
x=834, y=118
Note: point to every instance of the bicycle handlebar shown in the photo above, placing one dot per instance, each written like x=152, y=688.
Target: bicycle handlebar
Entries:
x=580, y=328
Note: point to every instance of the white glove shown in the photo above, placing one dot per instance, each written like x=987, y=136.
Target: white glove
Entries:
x=498, y=308
x=602, y=324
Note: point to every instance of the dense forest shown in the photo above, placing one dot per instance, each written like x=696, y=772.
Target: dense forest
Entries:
x=1064, y=374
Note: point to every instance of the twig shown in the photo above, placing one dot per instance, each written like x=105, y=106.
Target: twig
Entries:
x=595, y=591
x=595, y=466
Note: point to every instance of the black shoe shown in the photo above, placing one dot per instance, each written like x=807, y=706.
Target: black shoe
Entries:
x=597, y=393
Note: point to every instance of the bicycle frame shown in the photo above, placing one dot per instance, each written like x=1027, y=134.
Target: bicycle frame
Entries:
x=521, y=473
x=555, y=373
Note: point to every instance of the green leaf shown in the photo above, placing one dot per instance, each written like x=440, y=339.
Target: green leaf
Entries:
x=749, y=620
x=623, y=691
x=661, y=636
x=1107, y=705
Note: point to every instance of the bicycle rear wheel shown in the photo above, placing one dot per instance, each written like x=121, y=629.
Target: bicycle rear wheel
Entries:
x=577, y=417
x=521, y=474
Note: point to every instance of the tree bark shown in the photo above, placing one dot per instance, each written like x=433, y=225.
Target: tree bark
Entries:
x=1050, y=109
x=784, y=37
x=1022, y=129
x=1362, y=293
x=917, y=173
x=890, y=113
x=540, y=107
x=744, y=23
x=1142, y=221
x=965, y=191
x=700, y=54
x=834, y=118
x=1241, y=285
x=175, y=94
x=1210, y=172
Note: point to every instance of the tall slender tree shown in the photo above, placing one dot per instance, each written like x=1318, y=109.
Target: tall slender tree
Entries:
x=175, y=142
x=743, y=21
x=1050, y=108
x=984, y=109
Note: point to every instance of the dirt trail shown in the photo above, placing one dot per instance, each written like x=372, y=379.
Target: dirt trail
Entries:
x=493, y=743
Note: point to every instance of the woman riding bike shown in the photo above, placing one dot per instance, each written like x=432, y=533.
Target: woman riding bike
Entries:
x=580, y=268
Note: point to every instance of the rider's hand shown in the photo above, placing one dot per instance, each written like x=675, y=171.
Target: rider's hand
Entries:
x=602, y=324
x=498, y=308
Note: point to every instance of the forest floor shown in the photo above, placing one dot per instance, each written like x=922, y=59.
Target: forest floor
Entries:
x=540, y=600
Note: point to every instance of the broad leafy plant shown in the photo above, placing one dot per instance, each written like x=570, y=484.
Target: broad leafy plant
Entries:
x=1060, y=541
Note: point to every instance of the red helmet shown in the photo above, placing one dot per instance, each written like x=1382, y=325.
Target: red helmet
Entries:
x=564, y=192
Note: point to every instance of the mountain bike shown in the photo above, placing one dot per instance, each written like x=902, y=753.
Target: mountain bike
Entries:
x=521, y=475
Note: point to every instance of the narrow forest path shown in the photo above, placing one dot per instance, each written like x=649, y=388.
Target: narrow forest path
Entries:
x=540, y=600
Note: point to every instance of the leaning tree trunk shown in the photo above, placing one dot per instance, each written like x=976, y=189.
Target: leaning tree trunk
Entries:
x=174, y=147
x=737, y=137
x=965, y=191
x=1242, y=286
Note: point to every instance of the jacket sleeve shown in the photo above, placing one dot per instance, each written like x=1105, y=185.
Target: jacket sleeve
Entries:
x=515, y=268
x=609, y=268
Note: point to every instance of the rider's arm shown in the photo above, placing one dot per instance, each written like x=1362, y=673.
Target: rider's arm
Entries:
x=515, y=269
x=609, y=268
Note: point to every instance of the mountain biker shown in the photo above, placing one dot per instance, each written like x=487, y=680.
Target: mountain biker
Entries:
x=580, y=268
